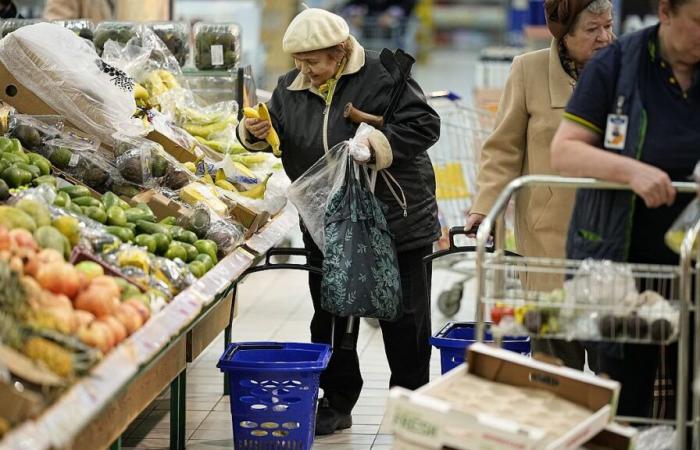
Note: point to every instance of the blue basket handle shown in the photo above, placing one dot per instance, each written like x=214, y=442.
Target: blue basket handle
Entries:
x=444, y=330
x=234, y=348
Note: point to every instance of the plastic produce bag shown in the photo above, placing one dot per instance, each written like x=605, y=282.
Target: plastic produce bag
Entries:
x=64, y=71
x=312, y=190
x=682, y=225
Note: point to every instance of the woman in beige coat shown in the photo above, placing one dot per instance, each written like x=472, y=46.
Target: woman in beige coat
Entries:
x=532, y=106
x=95, y=10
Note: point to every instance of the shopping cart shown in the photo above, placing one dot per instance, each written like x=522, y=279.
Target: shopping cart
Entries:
x=592, y=300
x=455, y=160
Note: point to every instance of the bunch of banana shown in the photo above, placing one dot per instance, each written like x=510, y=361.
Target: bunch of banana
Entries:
x=257, y=192
x=261, y=112
x=141, y=96
x=250, y=159
x=159, y=82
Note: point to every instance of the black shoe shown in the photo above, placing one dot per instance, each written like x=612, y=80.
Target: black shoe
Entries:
x=329, y=420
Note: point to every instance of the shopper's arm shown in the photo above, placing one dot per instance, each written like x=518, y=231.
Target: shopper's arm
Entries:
x=575, y=153
x=414, y=126
x=503, y=152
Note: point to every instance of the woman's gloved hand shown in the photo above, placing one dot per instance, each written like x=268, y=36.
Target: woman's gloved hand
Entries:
x=258, y=128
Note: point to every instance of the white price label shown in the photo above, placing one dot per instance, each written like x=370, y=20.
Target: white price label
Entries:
x=74, y=160
x=217, y=55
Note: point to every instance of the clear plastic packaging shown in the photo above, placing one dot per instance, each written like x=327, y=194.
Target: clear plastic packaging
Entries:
x=311, y=192
x=217, y=46
x=7, y=26
x=63, y=70
x=685, y=222
x=175, y=36
x=31, y=131
x=82, y=27
x=121, y=32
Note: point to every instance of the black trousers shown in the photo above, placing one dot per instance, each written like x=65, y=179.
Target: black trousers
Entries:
x=406, y=341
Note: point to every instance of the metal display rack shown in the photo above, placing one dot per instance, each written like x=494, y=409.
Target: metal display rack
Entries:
x=502, y=278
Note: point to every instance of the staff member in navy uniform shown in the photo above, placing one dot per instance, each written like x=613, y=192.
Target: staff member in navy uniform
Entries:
x=634, y=118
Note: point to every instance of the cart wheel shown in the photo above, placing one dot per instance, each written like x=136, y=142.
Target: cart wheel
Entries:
x=450, y=301
x=374, y=323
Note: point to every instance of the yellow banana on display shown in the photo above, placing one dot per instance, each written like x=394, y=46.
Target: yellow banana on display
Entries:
x=190, y=166
x=257, y=192
x=263, y=113
x=250, y=159
x=225, y=184
x=140, y=92
x=244, y=170
x=206, y=130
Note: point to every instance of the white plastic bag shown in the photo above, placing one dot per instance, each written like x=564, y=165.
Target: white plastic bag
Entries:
x=65, y=72
x=312, y=190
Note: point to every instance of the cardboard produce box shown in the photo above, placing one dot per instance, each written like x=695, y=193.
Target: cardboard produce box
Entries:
x=503, y=401
x=13, y=93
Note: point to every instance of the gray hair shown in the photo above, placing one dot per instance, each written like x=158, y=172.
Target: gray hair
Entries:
x=599, y=6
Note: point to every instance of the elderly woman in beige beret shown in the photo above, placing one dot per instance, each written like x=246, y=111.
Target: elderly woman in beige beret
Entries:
x=332, y=70
x=532, y=106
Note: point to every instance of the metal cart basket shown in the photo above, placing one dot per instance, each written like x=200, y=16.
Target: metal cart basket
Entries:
x=592, y=300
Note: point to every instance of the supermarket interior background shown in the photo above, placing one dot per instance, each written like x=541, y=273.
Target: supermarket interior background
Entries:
x=464, y=47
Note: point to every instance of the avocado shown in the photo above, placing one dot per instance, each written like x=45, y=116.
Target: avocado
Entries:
x=159, y=166
x=61, y=157
x=4, y=191
x=27, y=135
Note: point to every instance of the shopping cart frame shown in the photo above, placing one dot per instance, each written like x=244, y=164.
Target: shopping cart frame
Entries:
x=495, y=221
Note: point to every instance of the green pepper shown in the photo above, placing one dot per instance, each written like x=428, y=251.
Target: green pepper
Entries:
x=198, y=268
x=176, y=251
x=162, y=242
x=208, y=247
x=95, y=213
x=62, y=200
x=116, y=216
x=110, y=199
x=168, y=221
x=206, y=259
x=146, y=240
x=5, y=144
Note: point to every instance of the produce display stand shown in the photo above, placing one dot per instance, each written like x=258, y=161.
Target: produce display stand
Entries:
x=97, y=409
x=602, y=293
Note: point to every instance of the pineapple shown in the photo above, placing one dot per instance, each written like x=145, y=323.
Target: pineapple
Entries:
x=13, y=298
x=10, y=332
x=56, y=358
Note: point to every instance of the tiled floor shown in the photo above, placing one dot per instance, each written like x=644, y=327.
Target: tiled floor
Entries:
x=276, y=306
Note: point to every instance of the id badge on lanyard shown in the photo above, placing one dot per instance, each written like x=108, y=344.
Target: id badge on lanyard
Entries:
x=616, y=128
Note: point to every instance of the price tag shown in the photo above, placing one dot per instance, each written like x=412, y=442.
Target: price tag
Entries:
x=74, y=158
x=217, y=55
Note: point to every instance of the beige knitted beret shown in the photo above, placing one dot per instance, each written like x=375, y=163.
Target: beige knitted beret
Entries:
x=314, y=29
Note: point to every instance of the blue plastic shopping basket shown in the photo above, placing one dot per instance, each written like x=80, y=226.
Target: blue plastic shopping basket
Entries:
x=273, y=391
x=455, y=337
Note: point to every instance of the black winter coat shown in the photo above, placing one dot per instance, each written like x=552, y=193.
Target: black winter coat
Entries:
x=298, y=118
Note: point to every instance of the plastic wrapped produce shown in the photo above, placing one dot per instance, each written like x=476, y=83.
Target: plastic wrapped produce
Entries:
x=82, y=27
x=33, y=132
x=120, y=32
x=217, y=46
x=7, y=26
x=682, y=225
x=175, y=36
x=63, y=70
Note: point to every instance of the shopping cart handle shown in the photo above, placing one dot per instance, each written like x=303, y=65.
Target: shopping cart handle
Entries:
x=461, y=231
